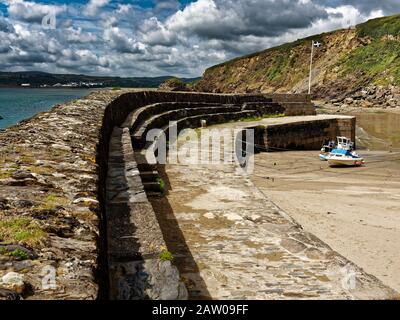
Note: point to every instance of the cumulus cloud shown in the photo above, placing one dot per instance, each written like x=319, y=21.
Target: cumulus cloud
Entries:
x=154, y=33
x=128, y=38
x=94, y=6
x=122, y=42
x=78, y=36
x=76, y=58
x=32, y=12
x=223, y=19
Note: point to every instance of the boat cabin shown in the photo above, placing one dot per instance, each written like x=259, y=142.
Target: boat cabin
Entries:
x=344, y=143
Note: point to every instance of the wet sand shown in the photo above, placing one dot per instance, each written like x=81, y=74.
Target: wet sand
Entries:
x=354, y=210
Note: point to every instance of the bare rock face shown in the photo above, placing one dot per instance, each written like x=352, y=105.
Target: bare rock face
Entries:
x=366, y=104
x=349, y=100
x=370, y=97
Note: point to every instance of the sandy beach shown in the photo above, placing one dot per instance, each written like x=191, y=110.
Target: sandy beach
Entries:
x=354, y=210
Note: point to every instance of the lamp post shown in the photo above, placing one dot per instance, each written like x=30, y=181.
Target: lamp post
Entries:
x=313, y=44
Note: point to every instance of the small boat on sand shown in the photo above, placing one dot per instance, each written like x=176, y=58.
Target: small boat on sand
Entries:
x=340, y=157
x=342, y=143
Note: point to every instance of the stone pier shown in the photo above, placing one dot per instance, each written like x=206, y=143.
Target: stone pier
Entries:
x=78, y=203
x=299, y=132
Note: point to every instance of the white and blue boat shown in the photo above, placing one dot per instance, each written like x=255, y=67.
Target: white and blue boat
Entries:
x=342, y=143
x=341, y=157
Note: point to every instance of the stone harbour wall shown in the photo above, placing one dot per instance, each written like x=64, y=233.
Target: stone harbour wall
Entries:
x=53, y=218
x=134, y=237
x=305, y=135
x=135, y=240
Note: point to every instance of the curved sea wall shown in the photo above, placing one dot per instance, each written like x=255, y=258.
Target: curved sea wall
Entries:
x=55, y=240
x=50, y=208
x=135, y=240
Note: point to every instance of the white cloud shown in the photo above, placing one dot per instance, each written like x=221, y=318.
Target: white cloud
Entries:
x=153, y=32
x=121, y=42
x=29, y=11
x=94, y=6
x=227, y=19
x=78, y=36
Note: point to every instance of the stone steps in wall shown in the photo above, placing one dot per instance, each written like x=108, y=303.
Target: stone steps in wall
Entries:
x=159, y=120
x=148, y=171
x=195, y=122
x=264, y=107
x=264, y=104
x=149, y=176
x=134, y=237
x=151, y=194
x=299, y=108
x=146, y=166
x=152, y=187
x=301, y=98
x=189, y=122
x=143, y=164
x=143, y=113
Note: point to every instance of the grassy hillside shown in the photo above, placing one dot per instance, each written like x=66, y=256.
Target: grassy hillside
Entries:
x=348, y=60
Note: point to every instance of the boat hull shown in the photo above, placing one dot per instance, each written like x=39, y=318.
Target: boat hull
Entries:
x=323, y=157
x=346, y=162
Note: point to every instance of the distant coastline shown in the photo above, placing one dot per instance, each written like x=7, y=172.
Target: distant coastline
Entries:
x=55, y=88
x=34, y=79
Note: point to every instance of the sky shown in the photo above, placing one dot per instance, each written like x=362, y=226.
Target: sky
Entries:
x=161, y=37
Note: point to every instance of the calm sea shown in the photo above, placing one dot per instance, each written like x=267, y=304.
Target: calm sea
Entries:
x=21, y=103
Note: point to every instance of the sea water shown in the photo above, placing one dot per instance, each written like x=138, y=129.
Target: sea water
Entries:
x=17, y=104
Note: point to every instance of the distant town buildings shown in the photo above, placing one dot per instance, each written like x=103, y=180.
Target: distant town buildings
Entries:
x=74, y=85
x=67, y=85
